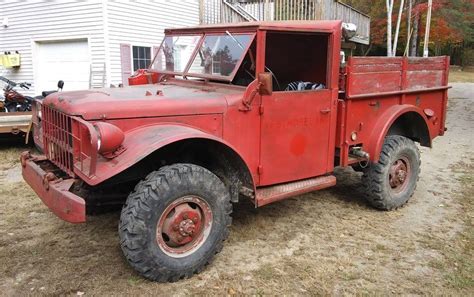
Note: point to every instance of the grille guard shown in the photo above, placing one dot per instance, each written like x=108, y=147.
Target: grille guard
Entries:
x=70, y=142
x=88, y=151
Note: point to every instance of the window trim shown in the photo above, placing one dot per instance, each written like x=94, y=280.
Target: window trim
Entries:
x=131, y=55
x=303, y=91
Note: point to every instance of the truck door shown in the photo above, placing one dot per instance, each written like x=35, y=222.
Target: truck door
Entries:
x=295, y=119
x=294, y=135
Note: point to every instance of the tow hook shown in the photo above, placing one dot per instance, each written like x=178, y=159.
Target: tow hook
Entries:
x=27, y=156
x=47, y=178
x=24, y=156
x=358, y=152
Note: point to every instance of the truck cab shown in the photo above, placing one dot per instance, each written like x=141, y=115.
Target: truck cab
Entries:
x=228, y=112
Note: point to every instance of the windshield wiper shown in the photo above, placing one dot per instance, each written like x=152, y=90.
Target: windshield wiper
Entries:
x=234, y=39
x=252, y=58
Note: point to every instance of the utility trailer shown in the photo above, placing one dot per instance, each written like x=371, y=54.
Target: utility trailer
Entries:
x=259, y=111
x=15, y=122
x=15, y=116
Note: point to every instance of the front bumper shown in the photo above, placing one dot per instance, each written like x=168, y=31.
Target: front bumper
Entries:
x=53, y=191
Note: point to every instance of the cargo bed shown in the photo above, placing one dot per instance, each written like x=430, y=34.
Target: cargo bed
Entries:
x=378, y=90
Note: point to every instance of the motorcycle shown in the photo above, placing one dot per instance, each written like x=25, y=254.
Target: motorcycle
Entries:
x=12, y=100
x=20, y=113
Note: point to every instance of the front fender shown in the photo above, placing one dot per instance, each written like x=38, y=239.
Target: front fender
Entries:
x=143, y=141
x=383, y=125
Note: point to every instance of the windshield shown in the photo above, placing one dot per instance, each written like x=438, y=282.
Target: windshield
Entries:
x=220, y=54
x=217, y=56
x=174, y=53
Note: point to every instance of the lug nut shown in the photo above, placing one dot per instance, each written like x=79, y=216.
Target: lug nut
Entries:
x=176, y=227
x=195, y=220
x=185, y=216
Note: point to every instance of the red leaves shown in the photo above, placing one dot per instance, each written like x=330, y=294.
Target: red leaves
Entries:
x=445, y=26
x=442, y=33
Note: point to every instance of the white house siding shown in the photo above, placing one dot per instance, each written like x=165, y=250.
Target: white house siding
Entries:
x=32, y=21
x=141, y=23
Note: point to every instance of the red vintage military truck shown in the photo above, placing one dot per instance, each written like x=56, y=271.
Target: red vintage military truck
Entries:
x=258, y=111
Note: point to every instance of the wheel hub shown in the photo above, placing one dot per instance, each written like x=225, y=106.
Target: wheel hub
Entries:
x=399, y=174
x=184, y=225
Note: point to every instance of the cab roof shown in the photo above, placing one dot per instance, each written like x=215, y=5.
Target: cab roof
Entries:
x=311, y=26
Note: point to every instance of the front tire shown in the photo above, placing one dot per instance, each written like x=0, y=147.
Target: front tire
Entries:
x=391, y=181
x=174, y=222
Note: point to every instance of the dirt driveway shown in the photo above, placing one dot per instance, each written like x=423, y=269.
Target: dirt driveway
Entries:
x=328, y=242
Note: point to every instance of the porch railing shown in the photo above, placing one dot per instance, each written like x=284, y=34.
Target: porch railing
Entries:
x=229, y=11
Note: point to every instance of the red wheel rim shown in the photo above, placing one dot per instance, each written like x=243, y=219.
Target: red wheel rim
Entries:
x=399, y=175
x=184, y=226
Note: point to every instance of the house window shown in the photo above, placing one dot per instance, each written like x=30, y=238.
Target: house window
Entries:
x=216, y=65
x=178, y=51
x=141, y=57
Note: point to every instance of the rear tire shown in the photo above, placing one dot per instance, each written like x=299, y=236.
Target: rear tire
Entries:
x=391, y=181
x=174, y=222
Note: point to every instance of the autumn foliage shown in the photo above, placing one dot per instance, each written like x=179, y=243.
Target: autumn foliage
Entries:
x=452, y=26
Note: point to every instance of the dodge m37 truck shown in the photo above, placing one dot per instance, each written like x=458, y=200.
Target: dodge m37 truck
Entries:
x=260, y=111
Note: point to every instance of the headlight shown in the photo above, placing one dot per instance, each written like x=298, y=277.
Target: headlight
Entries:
x=110, y=139
x=37, y=107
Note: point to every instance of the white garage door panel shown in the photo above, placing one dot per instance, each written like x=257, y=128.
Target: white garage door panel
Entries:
x=65, y=60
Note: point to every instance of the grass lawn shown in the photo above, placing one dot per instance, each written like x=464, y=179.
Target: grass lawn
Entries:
x=461, y=76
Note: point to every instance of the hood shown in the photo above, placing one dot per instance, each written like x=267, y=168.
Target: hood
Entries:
x=141, y=101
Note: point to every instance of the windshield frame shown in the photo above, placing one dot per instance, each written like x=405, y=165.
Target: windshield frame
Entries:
x=185, y=74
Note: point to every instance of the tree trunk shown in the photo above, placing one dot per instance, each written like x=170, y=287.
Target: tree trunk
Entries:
x=397, y=30
x=409, y=30
x=427, y=29
x=368, y=49
x=389, y=4
x=414, y=37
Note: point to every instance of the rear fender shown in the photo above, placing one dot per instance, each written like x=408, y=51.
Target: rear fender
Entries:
x=141, y=142
x=386, y=120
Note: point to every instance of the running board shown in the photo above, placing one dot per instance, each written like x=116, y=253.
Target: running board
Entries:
x=279, y=192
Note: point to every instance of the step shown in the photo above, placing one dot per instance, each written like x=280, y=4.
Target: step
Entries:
x=279, y=192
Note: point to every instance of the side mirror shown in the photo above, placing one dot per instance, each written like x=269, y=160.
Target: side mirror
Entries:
x=265, y=80
x=60, y=84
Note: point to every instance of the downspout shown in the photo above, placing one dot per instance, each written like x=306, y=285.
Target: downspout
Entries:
x=105, y=25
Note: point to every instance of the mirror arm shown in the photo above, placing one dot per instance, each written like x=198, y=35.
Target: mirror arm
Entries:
x=247, y=104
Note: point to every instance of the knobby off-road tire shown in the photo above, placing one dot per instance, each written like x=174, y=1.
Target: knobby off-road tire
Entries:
x=174, y=205
x=391, y=181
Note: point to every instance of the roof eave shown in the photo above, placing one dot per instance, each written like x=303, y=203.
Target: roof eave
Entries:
x=315, y=26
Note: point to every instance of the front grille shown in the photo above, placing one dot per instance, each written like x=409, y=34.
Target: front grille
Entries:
x=58, y=138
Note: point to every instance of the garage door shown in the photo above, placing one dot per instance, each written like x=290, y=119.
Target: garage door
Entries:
x=64, y=60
